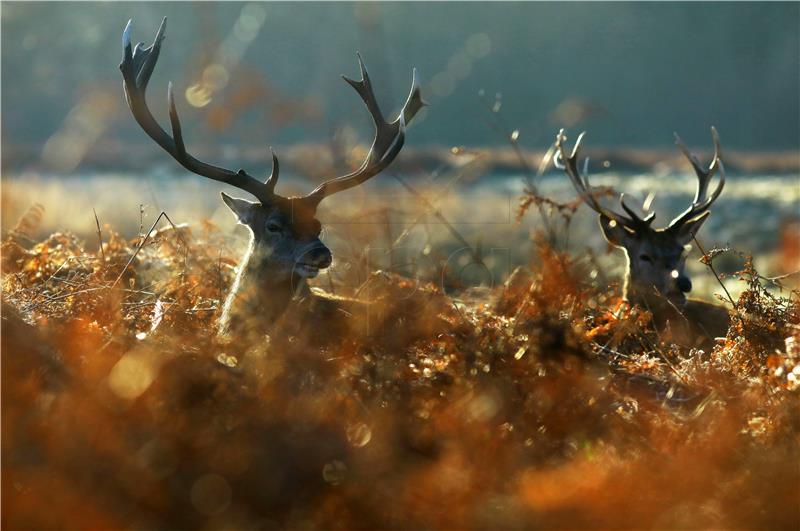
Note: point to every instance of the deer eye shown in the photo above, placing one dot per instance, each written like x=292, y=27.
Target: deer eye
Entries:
x=273, y=227
x=645, y=257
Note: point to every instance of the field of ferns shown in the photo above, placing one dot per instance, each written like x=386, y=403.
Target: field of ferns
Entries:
x=536, y=404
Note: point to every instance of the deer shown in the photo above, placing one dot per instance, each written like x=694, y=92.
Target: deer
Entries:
x=285, y=249
x=655, y=276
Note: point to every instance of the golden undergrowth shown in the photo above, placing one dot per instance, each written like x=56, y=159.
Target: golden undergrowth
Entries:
x=543, y=406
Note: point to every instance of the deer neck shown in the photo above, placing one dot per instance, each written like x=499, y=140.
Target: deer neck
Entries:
x=258, y=295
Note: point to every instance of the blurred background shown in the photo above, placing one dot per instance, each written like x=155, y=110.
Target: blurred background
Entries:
x=122, y=409
x=501, y=78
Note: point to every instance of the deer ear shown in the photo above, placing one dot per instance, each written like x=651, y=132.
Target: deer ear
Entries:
x=686, y=232
x=241, y=208
x=614, y=233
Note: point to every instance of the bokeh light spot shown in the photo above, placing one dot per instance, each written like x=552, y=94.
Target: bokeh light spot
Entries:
x=479, y=45
x=359, y=434
x=249, y=22
x=133, y=374
x=442, y=84
x=215, y=77
x=460, y=66
x=334, y=472
x=198, y=95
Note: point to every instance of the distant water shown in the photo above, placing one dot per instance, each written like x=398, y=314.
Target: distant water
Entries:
x=748, y=214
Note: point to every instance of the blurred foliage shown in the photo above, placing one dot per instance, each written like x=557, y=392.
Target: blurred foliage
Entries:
x=543, y=403
x=536, y=405
x=631, y=70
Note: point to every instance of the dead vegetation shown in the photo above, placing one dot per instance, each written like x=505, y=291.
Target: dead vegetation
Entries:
x=541, y=405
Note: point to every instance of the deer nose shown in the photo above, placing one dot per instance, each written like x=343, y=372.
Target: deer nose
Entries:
x=319, y=256
x=684, y=284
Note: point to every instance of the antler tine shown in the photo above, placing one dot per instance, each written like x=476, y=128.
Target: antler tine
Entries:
x=715, y=164
x=569, y=163
x=702, y=201
x=137, y=66
x=364, y=89
x=414, y=103
x=633, y=215
x=388, y=141
x=272, y=180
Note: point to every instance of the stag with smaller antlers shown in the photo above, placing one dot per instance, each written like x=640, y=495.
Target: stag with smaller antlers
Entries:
x=656, y=258
x=285, y=247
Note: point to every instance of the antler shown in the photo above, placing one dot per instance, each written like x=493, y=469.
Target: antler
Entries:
x=389, y=137
x=701, y=203
x=137, y=66
x=569, y=163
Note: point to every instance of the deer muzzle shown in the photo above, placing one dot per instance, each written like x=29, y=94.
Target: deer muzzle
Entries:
x=684, y=284
x=314, y=258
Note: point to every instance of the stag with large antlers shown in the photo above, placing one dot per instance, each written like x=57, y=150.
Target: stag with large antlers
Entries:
x=656, y=258
x=285, y=246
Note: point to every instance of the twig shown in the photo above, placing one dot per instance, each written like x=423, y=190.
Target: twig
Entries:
x=709, y=263
x=450, y=184
x=141, y=221
x=63, y=264
x=330, y=281
x=608, y=350
x=70, y=294
x=66, y=281
x=500, y=127
x=99, y=236
x=777, y=280
x=388, y=234
x=546, y=160
x=219, y=275
x=780, y=277
x=192, y=310
x=141, y=245
x=433, y=210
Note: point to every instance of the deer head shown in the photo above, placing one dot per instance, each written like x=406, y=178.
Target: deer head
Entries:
x=656, y=257
x=285, y=233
